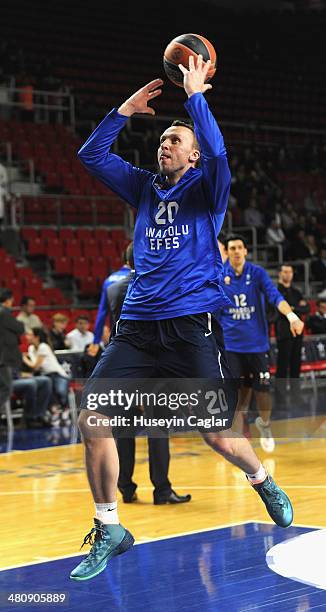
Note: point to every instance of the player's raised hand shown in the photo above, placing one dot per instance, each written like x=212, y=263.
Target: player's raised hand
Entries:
x=138, y=102
x=194, y=78
x=297, y=327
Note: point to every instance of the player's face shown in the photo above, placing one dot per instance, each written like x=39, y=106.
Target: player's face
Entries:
x=237, y=252
x=177, y=150
x=286, y=274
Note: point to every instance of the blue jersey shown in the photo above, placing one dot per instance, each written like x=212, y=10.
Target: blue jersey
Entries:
x=104, y=304
x=244, y=323
x=177, y=259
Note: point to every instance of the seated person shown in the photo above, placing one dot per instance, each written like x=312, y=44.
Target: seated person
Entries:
x=42, y=358
x=57, y=336
x=36, y=391
x=80, y=337
x=26, y=315
x=317, y=322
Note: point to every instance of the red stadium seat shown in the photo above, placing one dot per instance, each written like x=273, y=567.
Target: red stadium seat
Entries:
x=73, y=248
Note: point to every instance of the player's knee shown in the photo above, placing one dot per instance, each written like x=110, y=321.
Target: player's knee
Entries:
x=225, y=446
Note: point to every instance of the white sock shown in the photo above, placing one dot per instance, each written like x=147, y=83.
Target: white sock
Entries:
x=107, y=513
x=259, y=477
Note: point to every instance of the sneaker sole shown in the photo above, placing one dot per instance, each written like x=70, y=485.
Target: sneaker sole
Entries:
x=126, y=543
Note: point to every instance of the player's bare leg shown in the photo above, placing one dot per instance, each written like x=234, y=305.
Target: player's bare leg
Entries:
x=237, y=450
x=108, y=538
x=240, y=422
x=264, y=407
x=101, y=459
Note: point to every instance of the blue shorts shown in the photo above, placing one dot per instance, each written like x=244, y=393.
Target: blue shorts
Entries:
x=188, y=347
x=251, y=368
x=184, y=347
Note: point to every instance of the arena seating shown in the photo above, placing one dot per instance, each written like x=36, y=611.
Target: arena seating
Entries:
x=258, y=79
x=23, y=281
x=86, y=255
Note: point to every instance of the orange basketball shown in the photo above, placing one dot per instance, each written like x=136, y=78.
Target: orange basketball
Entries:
x=180, y=49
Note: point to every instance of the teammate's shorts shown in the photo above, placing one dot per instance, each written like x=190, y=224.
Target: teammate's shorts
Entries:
x=252, y=368
x=188, y=347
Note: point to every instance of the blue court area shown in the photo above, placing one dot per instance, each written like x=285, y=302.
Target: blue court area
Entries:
x=218, y=570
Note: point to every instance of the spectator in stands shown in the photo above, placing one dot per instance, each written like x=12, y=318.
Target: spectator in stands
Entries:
x=80, y=337
x=104, y=305
x=41, y=358
x=57, y=336
x=313, y=228
x=318, y=266
x=36, y=392
x=275, y=234
x=298, y=248
x=27, y=315
x=10, y=356
x=311, y=202
x=288, y=216
x=254, y=218
x=317, y=322
x=289, y=347
x=311, y=244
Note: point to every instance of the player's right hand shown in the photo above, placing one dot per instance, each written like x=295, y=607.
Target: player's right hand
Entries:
x=297, y=327
x=138, y=102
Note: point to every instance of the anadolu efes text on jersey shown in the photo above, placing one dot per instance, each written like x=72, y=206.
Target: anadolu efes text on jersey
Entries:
x=244, y=322
x=177, y=259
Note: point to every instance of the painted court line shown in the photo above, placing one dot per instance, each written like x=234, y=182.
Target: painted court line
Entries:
x=243, y=487
x=159, y=538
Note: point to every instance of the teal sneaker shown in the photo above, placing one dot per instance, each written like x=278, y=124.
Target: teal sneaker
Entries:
x=276, y=501
x=107, y=541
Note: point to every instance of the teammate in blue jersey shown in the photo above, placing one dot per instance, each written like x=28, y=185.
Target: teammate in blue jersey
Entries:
x=166, y=329
x=246, y=331
x=103, y=309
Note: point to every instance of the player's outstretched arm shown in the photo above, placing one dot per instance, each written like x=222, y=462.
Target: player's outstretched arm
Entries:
x=119, y=175
x=138, y=102
x=296, y=325
x=194, y=77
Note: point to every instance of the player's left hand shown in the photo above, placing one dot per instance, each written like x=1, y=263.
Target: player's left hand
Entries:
x=297, y=327
x=194, y=78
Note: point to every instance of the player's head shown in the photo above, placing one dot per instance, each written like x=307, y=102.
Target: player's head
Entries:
x=27, y=304
x=82, y=323
x=179, y=149
x=321, y=306
x=285, y=274
x=236, y=249
x=129, y=255
x=6, y=297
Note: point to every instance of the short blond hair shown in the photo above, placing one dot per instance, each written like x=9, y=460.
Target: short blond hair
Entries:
x=59, y=318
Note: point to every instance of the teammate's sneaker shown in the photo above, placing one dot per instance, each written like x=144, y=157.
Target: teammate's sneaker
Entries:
x=267, y=441
x=276, y=501
x=107, y=541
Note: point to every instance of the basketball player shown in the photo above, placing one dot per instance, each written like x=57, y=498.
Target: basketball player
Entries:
x=246, y=331
x=165, y=328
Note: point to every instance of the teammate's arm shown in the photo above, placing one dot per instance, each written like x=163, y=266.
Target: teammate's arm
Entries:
x=214, y=165
x=100, y=322
x=275, y=298
x=120, y=176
